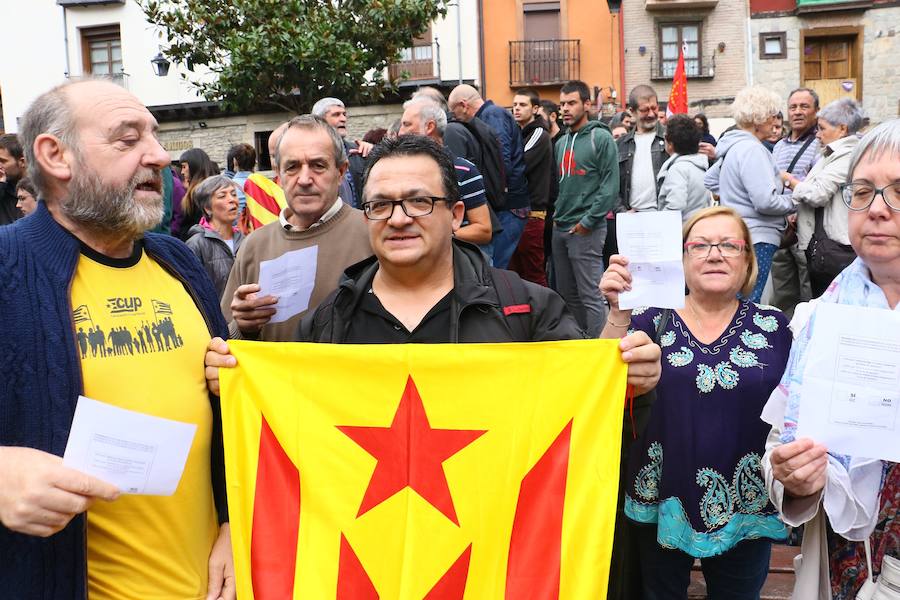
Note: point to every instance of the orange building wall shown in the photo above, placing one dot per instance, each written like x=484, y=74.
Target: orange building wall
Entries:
x=585, y=20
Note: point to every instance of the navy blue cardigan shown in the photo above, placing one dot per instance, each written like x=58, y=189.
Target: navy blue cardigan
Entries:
x=40, y=380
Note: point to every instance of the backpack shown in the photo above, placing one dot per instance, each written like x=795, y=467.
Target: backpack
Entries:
x=491, y=167
x=514, y=302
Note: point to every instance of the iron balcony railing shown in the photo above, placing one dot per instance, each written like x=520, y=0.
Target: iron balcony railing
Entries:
x=540, y=62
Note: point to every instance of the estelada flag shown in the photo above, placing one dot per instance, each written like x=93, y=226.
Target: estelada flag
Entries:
x=678, y=98
x=265, y=201
x=446, y=471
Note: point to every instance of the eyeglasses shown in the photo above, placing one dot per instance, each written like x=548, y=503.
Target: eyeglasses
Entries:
x=727, y=248
x=417, y=206
x=859, y=195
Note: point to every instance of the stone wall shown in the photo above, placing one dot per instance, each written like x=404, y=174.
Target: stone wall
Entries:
x=724, y=23
x=880, y=62
x=216, y=135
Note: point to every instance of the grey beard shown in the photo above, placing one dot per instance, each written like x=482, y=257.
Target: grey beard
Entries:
x=109, y=210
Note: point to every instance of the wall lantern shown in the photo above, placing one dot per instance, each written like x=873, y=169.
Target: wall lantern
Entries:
x=160, y=65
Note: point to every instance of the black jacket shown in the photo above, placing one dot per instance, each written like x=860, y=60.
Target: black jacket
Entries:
x=462, y=143
x=214, y=254
x=626, y=161
x=475, y=309
x=8, y=210
x=540, y=165
x=357, y=166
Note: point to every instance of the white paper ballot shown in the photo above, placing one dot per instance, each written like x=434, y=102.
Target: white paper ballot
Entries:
x=651, y=241
x=138, y=453
x=291, y=277
x=851, y=383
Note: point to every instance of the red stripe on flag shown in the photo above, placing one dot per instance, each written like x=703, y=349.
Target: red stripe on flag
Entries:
x=535, y=548
x=353, y=581
x=452, y=586
x=276, y=521
x=262, y=197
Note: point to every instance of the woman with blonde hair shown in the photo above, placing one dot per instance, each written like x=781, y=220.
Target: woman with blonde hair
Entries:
x=694, y=484
x=747, y=179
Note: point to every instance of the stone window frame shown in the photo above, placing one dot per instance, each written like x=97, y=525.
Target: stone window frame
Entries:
x=699, y=23
x=766, y=35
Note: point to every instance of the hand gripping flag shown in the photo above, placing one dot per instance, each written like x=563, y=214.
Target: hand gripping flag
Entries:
x=451, y=471
x=678, y=98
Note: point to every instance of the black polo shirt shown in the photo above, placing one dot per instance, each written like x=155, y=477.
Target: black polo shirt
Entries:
x=373, y=324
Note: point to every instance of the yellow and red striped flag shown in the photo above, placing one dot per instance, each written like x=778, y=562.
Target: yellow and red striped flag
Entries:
x=265, y=201
x=451, y=471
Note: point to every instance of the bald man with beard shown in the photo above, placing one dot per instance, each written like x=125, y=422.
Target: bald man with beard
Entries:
x=82, y=263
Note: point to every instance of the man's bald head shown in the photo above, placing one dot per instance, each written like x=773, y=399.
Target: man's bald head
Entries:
x=97, y=158
x=58, y=113
x=464, y=102
x=274, y=137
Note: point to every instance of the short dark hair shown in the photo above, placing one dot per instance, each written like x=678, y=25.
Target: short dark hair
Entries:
x=530, y=94
x=244, y=154
x=550, y=107
x=10, y=143
x=810, y=91
x=575, y=85
x=416, y=145
x=640, y=92
x=683, y=134
x=25, y=184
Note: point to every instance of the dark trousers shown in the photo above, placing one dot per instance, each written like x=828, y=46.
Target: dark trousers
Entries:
x=739, y=574
x=528, y=259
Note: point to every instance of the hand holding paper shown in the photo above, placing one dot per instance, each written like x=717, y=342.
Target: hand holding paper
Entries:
x=137, y=453
x=651, y=241
x=291, y=278
x=851, y=384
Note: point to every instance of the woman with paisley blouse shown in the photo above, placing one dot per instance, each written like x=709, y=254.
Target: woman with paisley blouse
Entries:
x=694, y=485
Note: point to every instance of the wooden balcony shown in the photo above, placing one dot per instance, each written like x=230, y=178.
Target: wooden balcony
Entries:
x=415, y=63
x=544, y=62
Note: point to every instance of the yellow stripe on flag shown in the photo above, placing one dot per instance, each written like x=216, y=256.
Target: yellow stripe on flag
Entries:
x=422, y=468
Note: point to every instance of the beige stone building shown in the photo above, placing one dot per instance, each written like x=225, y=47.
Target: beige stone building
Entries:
x=837, y=48
x=714, y=35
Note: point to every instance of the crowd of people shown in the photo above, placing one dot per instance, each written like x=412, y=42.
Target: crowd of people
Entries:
x=426, y=232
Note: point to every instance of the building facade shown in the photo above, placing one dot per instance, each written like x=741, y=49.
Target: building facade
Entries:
x=838, y=48
x=714, y=36
x=541, y=45
x=112, y=39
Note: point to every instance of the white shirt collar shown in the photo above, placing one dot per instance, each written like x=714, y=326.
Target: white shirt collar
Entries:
x=329, y=214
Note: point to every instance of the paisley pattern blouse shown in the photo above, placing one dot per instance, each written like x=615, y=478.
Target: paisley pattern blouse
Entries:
x=696, y=470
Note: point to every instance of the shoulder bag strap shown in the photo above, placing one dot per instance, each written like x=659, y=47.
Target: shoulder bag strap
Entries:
x=797, y=156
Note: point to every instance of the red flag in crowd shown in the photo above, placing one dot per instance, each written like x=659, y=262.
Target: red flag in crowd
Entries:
x=678, y=98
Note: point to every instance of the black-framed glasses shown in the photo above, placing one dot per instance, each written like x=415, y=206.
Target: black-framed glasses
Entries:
x=727, y=248
x=416, y=206
x=859, y=195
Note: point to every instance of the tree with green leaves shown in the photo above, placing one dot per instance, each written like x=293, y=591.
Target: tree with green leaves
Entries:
x=289, y=53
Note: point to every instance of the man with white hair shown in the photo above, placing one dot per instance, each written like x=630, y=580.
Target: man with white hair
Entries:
x=335, y=114
x=467, y=104
x=92, y=305
x=423, y=116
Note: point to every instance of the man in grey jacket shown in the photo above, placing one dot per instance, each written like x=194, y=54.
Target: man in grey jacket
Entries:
x=640, y=150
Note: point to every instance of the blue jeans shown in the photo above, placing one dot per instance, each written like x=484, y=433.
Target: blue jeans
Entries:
x=578, y=267
x=739, y=574
x=506, y=241
x=764, y=254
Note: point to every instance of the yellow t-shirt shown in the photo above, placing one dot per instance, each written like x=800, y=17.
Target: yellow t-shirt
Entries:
x=141, y=339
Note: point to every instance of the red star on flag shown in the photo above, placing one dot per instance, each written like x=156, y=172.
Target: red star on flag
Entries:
x=410, y=454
